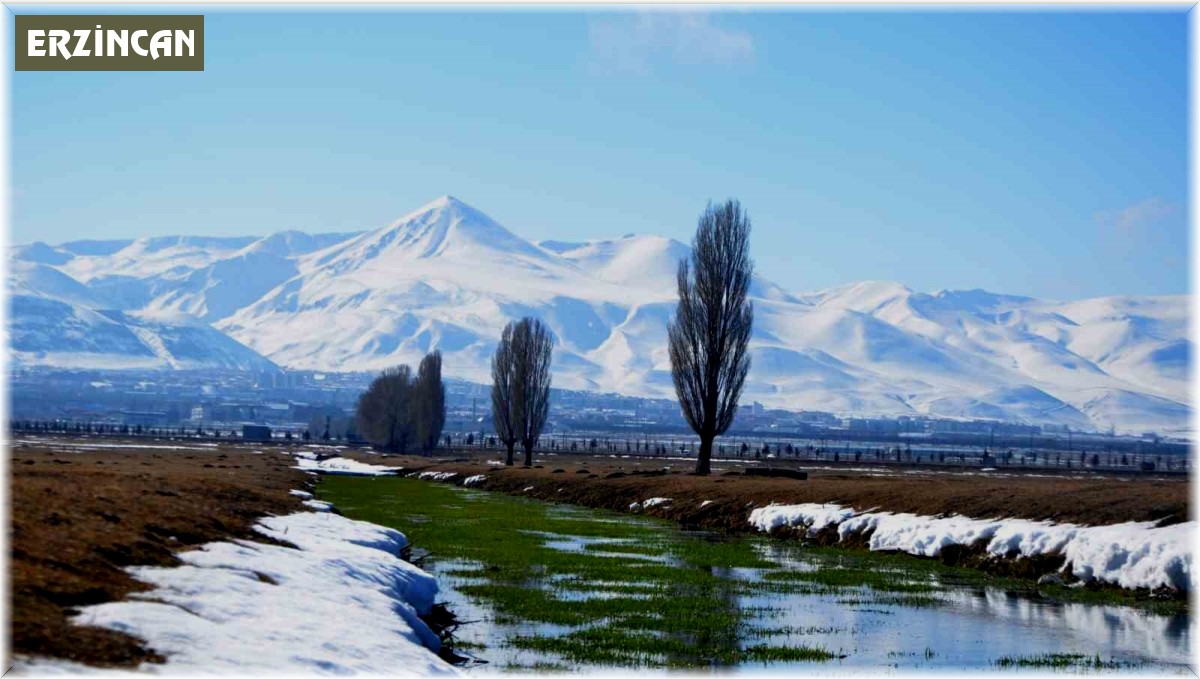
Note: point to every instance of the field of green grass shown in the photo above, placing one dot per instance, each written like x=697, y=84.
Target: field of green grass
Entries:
x=569, y=586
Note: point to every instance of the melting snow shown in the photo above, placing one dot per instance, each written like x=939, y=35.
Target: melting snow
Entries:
x=318, y=505
x=342, y=466
x=472, y=480
x=647, y=504
x=1130, y=555
x=343, y=602
x=436, y=476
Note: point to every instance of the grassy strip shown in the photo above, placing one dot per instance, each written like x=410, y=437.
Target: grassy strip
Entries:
x=1061, y=661
x=605, y=646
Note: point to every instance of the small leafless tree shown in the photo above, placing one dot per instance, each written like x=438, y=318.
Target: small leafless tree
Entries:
x=521, y=385
x=429, y=402
x=710, y=333
x=384, y=410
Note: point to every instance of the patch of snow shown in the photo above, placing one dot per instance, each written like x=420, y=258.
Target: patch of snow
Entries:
x=38, y=666
x=318, y=505
x=250, y=608
x=1131, y=555
x=647, y=504
x=340, y=466
x=301, y=493
x=705, y=503
x=472, y=480
x=436, y=476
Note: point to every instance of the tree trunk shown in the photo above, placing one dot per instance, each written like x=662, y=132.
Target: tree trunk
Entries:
x=703, y=467
x=509, y=460
x=529, y=455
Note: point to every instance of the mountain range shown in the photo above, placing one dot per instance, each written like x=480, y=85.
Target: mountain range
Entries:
x=447, y=276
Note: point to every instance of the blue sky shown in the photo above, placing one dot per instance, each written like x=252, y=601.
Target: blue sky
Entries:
x=1040, y=153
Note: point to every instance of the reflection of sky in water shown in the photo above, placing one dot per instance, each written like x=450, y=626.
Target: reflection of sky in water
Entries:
x=584, y=543
x=971, y=629
x=975, y=628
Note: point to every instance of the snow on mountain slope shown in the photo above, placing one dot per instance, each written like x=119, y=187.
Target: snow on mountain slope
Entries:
x=206, y=277
x=649, y=262
x=153, y=256
x=56, y=321
x=30, y=279
x=1130, y=411
x=447, y=276
x=1024, y=403
x=217, y=290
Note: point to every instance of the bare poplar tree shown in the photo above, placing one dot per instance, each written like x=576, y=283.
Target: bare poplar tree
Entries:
x=429, y=402
x=521, y=385
x=710, y=332
x=504, y=364
x=534, y=345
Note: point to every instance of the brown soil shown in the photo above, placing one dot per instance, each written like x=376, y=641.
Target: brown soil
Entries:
x=79, y=518
x=614, y=483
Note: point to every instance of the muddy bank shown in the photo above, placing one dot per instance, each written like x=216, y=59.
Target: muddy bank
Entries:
x=78, y=519
x=614, y=483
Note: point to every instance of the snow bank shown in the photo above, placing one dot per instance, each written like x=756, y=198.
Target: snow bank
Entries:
x=647, y=504
x=473, y=480
x=342, y=602
x=1130, y=555
x=436, y=476
x=318, y=505
x=342, y=466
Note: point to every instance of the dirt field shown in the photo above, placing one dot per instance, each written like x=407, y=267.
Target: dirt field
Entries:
x=79, y=517
x=615, y=482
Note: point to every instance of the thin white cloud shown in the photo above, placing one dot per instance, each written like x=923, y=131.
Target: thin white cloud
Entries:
x=1133, y=221
x=633, y=43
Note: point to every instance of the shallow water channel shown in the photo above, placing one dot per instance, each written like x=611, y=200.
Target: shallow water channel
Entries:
x=558, y=587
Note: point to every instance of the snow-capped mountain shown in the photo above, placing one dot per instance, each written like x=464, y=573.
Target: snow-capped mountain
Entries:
x=447, y=276
x=56, y=321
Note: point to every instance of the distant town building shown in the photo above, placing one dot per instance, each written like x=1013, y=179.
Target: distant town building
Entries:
x=256, y=432
x=873, y=425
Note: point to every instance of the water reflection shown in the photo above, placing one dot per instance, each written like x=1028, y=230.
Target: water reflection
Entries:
x=970, y=627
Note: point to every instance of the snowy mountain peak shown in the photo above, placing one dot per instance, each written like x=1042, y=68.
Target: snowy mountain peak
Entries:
x=443, y=228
